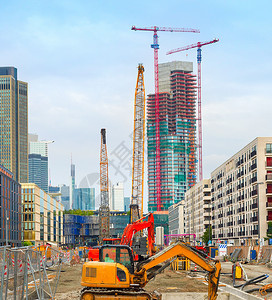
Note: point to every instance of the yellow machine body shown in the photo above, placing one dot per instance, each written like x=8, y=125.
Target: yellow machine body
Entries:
x=105, y=274
x=116, y=277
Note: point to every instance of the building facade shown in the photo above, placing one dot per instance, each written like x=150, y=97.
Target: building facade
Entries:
x=42, y=216
x=38, y=170
x=14, y=123
x=84, y=199
x=241, y=190
x=176, y=218
x=118, y=196
x=65, y=196
x=198, y=209
x=177, y=103
x=10, y=209
x=38, y=161
x=84, y=230
x=126, y=203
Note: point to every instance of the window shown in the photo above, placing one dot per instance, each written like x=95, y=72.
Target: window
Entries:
x=268, y=148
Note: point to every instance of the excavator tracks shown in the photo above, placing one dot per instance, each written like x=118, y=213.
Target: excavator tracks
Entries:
x=124, y=294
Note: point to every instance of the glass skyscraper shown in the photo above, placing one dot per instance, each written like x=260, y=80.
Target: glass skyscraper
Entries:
x=38, y=161
x=178, y=164
x=84, y=199
x=13, y=123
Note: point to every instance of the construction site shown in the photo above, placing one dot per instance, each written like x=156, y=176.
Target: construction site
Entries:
x=144, y=262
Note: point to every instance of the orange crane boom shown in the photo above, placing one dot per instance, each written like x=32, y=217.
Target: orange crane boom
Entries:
x=136, y=206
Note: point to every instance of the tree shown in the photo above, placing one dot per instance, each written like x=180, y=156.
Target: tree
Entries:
x=269, y=231
x=207, y=235
x=27, y=243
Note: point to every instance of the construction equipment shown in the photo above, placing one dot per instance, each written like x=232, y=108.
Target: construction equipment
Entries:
x=115, y=276
x=136, y=206
x=155, y=46
x=104, y=210
x=199, y=58
x=142, y=247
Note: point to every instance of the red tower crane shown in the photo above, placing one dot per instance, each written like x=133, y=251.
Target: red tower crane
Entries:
x=199, y=58
x=155, y=46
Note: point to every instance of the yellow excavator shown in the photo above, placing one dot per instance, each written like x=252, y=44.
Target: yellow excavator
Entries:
x=115, y=276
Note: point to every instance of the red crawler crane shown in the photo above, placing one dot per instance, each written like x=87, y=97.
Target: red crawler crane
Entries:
x=155, y=46
x=199, y=58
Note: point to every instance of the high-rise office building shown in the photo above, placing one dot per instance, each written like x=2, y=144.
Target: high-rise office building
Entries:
x=118, y=196
x=13, y=123
x=38, y=161
x=72, y=184
x=84, y=199
x=177, y=103
x=65, y=196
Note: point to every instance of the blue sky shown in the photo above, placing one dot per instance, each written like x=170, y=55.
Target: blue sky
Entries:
x=80, y=59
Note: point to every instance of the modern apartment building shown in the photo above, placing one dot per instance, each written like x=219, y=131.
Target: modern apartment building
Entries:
x=118, y=196
x=13, y=123
x=38, y=161
x=10, y=209
x=176, y=218
x=42, y=216
x=177, y=103
x=242, y=194
x=198, y=209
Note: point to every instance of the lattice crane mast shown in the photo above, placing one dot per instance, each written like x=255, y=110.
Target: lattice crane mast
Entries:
x=136, y=206
x=155, y=46
x=199, y=59
x=104, y=211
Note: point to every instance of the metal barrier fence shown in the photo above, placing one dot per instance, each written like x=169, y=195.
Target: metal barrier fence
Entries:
x=26, y=273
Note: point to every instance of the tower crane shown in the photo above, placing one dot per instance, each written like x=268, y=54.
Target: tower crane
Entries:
x=155, y=46
x=199, y=58
x=136, y=206
x=104, y=211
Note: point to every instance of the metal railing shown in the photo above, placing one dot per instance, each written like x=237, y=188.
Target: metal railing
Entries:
x=28, y=273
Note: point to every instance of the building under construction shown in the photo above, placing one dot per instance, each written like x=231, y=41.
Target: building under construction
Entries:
x=177, y=106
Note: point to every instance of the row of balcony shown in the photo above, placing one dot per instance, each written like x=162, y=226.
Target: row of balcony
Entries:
x=240, y=233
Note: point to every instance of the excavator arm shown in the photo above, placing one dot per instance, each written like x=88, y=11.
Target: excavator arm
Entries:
x=213, y=267
x=137, y=226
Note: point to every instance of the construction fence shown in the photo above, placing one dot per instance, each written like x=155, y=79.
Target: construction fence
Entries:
x=258, y=254
x=27, y=273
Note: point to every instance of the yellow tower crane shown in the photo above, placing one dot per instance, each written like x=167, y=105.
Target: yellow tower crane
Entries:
x=136, y=205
